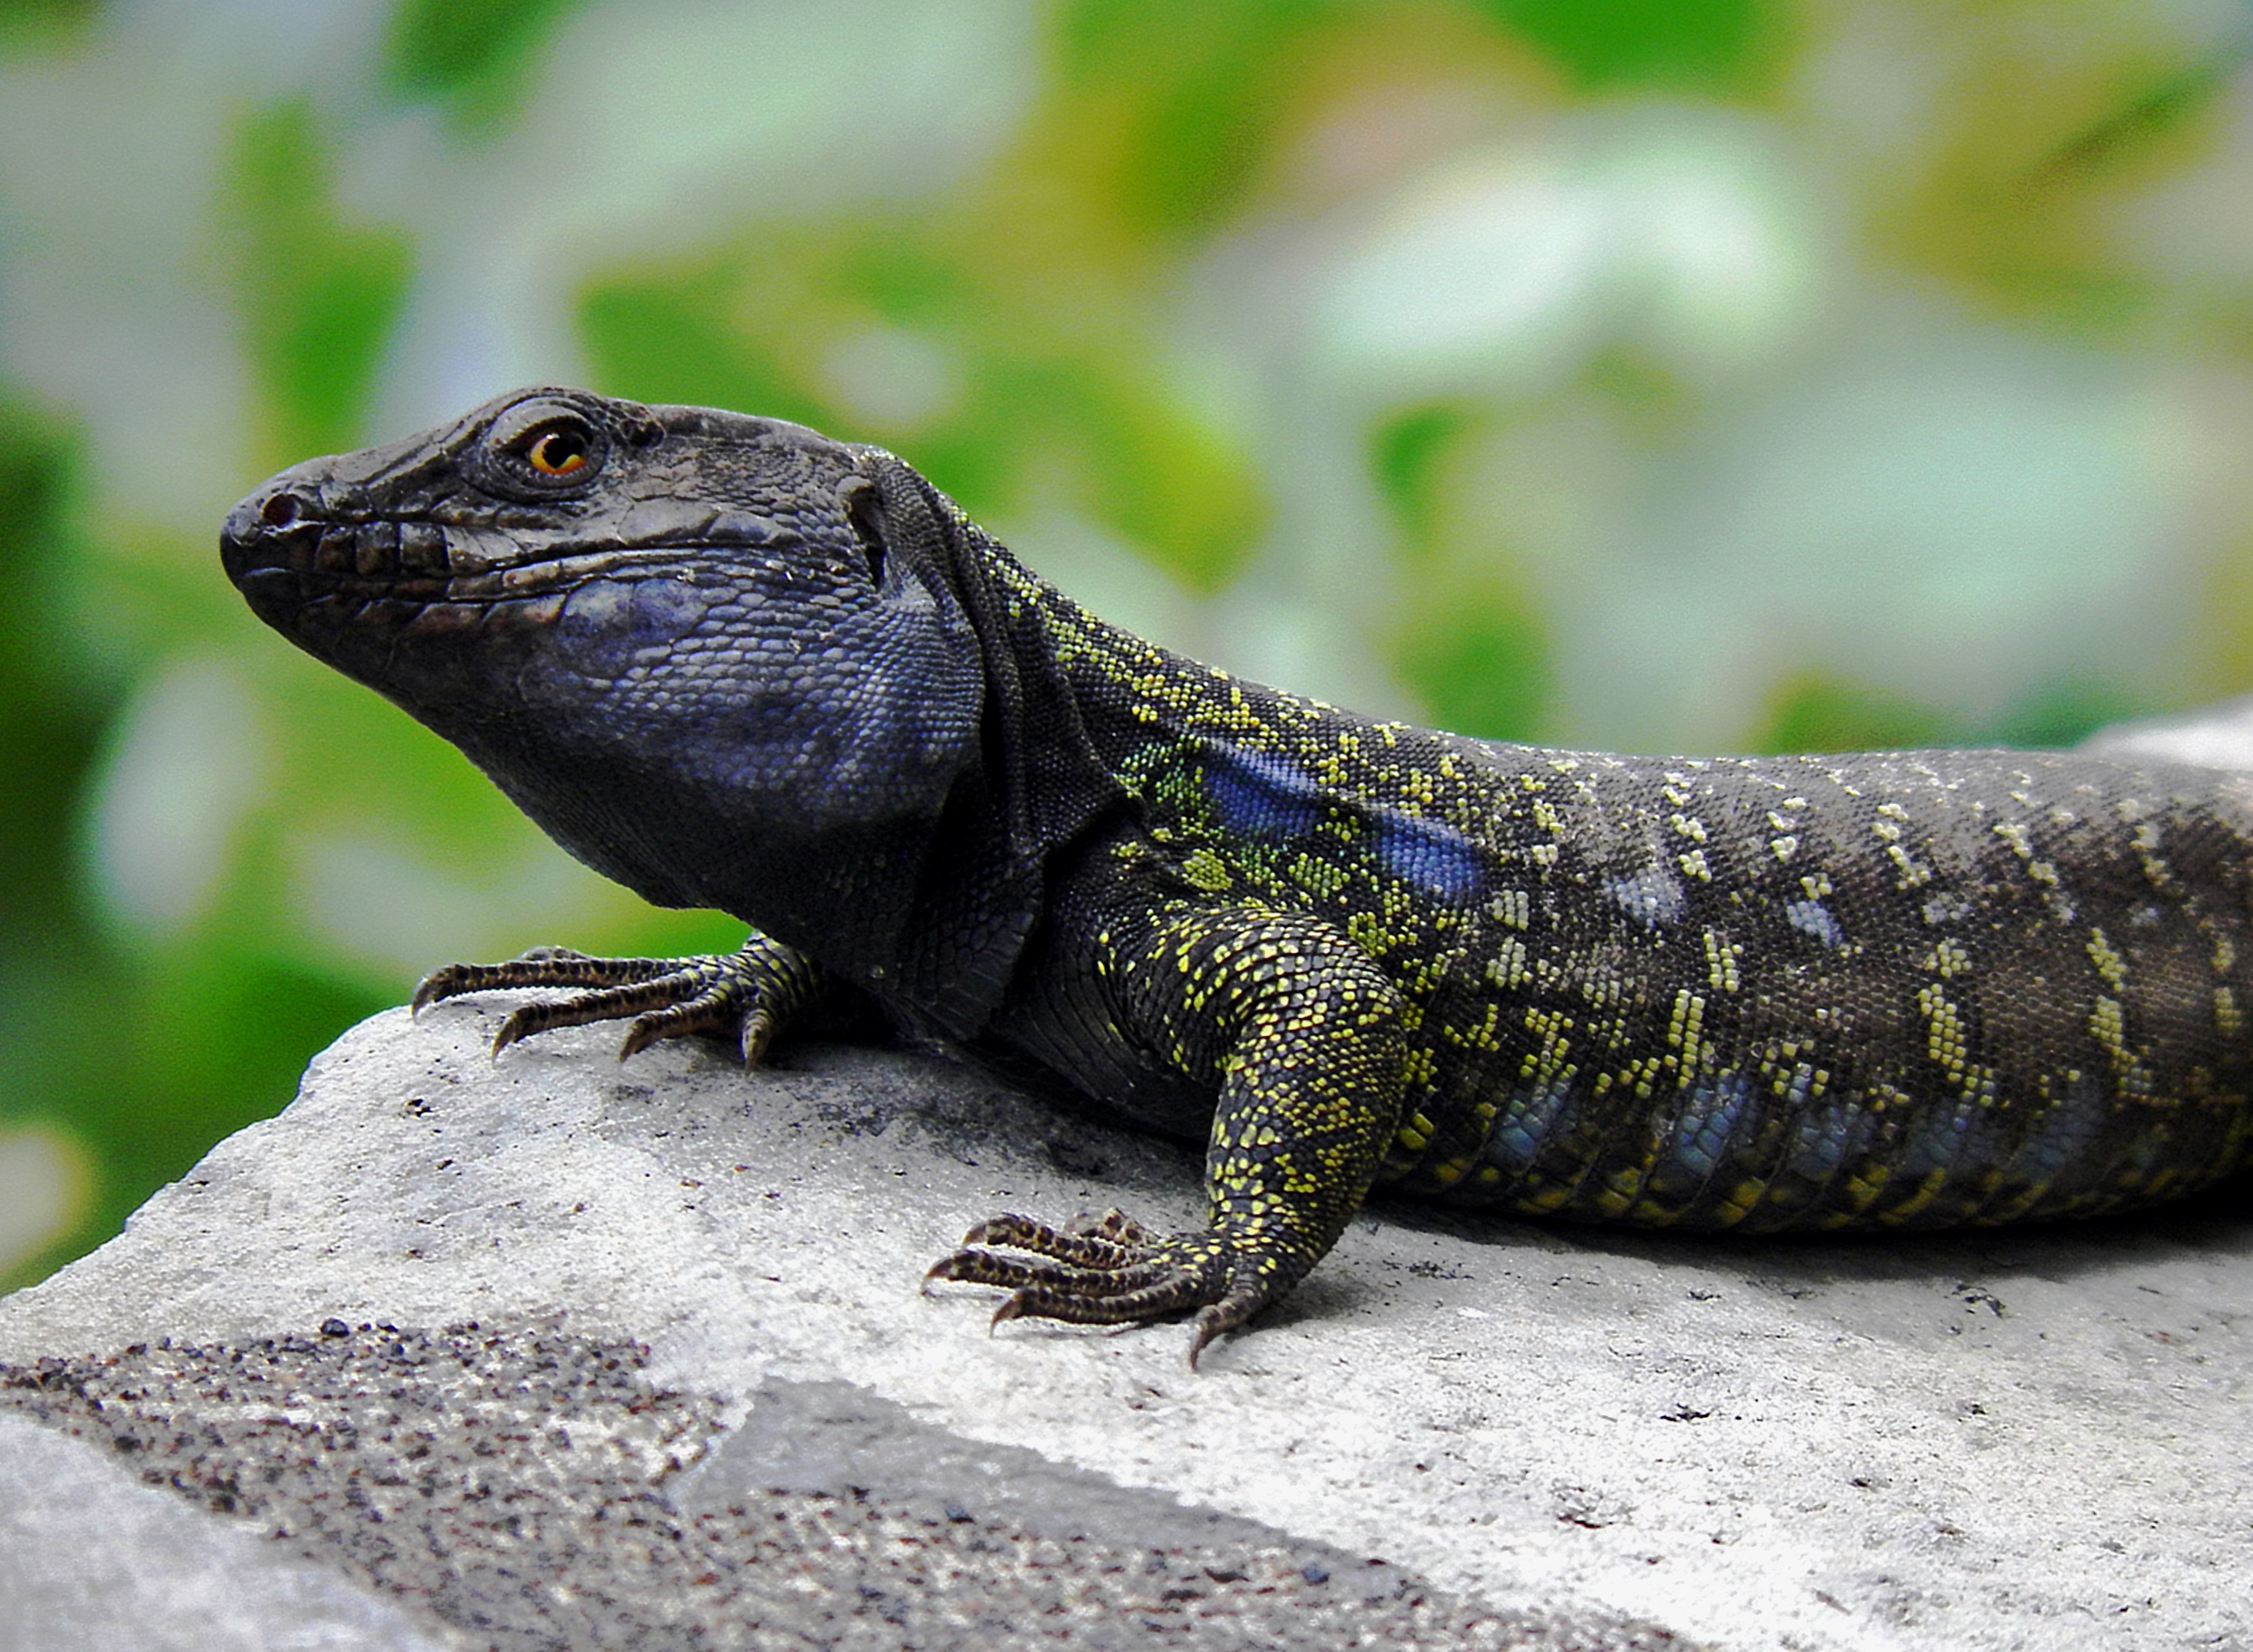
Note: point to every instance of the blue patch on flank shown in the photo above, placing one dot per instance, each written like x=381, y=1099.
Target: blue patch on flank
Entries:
x=1260, y=798
x=1257, y=797
x=1705, y=1125
x=1813, y=919
x=1436, y=856
x=1827, y=1134
x=1937, y=1139
x=1653, y=896
x=1528, y=1119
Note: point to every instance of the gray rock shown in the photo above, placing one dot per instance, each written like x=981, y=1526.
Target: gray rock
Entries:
x=2215, y=738
x=91, y=1560
x=806, y=1453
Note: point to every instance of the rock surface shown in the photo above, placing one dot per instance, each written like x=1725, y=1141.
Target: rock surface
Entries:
x=703, y=1403
x=92, y=1560
x=2011, y=1439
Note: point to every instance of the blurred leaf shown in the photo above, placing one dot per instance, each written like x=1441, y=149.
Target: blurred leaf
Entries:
x=1814, y=712
x=472, y=56
x=36, y=24
x=2064, y=712
x=1702, y=44
x=1106, y=436
x=1475, y=651
x=1164, y=106
x=1407, y=455
x=2147, y=118
x=49, y=738
x=1480, y=665
x=667, y=341
x=2016, y=186
x=318, y=296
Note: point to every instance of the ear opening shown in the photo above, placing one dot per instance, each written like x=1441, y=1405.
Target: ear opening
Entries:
x=864, y=509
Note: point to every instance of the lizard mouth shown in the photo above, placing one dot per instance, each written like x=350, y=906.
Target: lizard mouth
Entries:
x=276, y=545
x=316, y=575
x=275, y=532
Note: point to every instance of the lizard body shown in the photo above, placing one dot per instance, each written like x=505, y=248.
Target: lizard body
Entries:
x=734, y=664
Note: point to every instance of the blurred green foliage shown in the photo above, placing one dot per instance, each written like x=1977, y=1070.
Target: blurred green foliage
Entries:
x=317, y=295
x=1711, y=46
x=43, y=23
x=1472, y=647
x=1810, y=712
x=472, y=56
x=1027, y=405
x=1016, y=331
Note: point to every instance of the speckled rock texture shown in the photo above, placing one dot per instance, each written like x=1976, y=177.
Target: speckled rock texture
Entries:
x=704, y=1403
x=525, y=1489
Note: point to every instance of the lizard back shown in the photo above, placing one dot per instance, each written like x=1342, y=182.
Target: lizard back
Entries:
x=1896, y=988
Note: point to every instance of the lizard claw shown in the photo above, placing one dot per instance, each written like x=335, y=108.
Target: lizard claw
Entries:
x=1108, y=1271
x=745, y=996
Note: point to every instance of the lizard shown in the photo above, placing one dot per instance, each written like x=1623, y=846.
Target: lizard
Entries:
x=734, y=664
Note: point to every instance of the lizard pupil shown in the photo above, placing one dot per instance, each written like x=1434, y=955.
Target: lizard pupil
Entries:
x=558, y=453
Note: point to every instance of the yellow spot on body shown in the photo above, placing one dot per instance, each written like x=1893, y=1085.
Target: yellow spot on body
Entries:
x=1913, y=872
x=1926, y=1190
x=2109, y=1028
x=1741, y=1200
x=1785, y=847
x=1205, y=871
x=1945, y=1041
x=1507, y=966
x=1690, y=826
x=2109, y=969
x=1682, y=1029
x=1721, y=960
x=2227, y=1021
x=1693, y=864
x=1948, y=959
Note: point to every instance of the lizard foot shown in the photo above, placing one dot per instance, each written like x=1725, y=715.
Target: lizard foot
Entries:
x=744, y=996
x=1111, y=1270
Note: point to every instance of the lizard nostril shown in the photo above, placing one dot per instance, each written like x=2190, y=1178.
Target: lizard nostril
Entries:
x=281, y=510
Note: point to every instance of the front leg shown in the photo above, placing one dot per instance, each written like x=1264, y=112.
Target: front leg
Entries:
x=746, y=996
x=1300, y=1033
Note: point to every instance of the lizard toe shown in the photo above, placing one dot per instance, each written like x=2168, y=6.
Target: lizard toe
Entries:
x=1109, y=1270
x=743, y=996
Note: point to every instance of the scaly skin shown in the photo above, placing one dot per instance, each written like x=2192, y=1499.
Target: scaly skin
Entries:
x=733, y=663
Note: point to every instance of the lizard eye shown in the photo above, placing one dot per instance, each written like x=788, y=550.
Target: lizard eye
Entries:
x=542, y=448
x=554, y=452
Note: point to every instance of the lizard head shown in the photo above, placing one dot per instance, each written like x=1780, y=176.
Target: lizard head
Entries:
x=690, y=644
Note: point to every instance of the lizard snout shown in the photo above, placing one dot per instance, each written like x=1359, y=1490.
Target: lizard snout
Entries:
x=261, y=530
